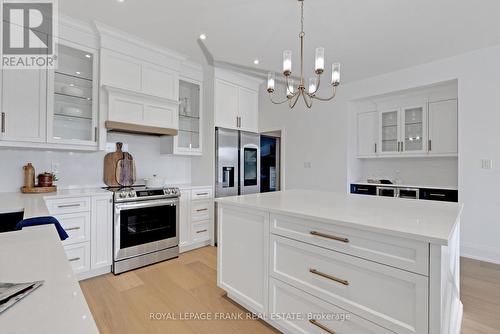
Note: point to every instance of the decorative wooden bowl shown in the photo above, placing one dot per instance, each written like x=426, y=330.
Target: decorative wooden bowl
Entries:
x=38, y=190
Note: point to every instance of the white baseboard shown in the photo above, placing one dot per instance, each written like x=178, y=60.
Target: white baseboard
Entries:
x=189, y=247
x=93, y=273
x=481, y=253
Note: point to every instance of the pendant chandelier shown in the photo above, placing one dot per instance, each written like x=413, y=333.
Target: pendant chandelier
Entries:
x=293, y=93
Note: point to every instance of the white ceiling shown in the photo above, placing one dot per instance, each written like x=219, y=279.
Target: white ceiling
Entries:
x=368, y=37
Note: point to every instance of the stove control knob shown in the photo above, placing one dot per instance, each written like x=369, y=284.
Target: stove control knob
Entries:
x=167, y=191
x=122, y=195
x=131, y=194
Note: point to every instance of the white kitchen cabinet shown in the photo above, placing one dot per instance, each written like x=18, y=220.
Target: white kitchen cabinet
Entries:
x=389, y=131
x=243, y=262
x=236, y=101
x=414, y=129
x=136, y=75
x=24, y=106
x=248, y=107
x=189, y=138
x=443, y=128
x=403, y=131
x=367, y=134
x=226, y=104
x=195, y=218
x=72, y=107
x=101, y=232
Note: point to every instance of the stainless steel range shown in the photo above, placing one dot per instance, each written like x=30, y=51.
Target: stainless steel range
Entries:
x=145, y=226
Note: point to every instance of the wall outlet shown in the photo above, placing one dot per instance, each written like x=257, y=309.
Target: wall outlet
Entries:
x=307, y=164
x=486, y=163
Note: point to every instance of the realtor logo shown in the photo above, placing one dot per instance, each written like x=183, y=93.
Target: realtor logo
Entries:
x=28, y=34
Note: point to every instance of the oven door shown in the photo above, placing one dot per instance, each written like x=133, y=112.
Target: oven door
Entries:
x=145, y=227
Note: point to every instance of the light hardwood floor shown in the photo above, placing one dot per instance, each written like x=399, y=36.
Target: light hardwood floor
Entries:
x=180, y=287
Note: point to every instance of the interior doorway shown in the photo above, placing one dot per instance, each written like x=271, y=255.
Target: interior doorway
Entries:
x=270, y=161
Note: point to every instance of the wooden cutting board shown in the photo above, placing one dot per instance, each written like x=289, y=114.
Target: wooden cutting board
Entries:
x=110, y=163
x=125, y=170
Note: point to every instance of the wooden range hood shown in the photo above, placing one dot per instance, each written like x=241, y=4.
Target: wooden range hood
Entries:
x=139, y=129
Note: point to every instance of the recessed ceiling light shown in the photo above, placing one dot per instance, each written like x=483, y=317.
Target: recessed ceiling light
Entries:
x=203, y=36
x=88, y=56
x=256, y=62
x=78, y=72
x=120, y=1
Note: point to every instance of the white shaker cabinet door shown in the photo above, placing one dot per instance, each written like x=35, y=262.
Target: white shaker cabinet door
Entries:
x=243, y=256
x=24, y=105
x=443, y=127
x=101, y=232
x=248, y=106
x=226, y=104
x=367, y=134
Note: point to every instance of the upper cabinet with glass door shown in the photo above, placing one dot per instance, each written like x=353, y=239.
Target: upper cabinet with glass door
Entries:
x=414, y=129
x=389, y=132
x=189, y=139
x=72, y=99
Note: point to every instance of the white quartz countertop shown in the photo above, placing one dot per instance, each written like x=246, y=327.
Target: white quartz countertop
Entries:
x=58, y=306
x=34, y=204
x=403, y=185
x=428, y=221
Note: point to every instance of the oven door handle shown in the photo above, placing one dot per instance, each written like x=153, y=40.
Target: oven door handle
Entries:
x=145, y=204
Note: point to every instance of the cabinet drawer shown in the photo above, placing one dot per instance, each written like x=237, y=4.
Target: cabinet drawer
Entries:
x=77, y=225
x=79, y=256
x=444, y=195
x=201, y=193
x=200, y=231
x=406, y=254
x=390, y=297
x=200, y=210
x=287, y=300
x=67, y=205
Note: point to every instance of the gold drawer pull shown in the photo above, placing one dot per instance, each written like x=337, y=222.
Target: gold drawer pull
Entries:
x=73, y=259
x=72, y=228
x=202, y=231
x=330, y=277
x=323, y=327
x=200, y=210
x=328, y=236
x=201, y=194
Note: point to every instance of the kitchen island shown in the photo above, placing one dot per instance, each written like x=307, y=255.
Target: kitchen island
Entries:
x=58, y=306
x=320, y=262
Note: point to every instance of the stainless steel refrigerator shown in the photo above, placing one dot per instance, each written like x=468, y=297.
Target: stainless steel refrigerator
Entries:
x=237, y=160
x=237, y=157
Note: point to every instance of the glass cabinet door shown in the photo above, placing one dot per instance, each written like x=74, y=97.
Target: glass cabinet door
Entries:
x=413, y=129
x=389, y=137
x=188, y=138
x=72, y=99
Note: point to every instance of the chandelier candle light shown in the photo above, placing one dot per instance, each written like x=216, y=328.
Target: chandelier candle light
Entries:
x=308, y=93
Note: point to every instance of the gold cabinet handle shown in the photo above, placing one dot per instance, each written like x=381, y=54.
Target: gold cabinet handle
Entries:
x=329, y=236
x=73, y=259
x=323, y=327
x=201, y=231
x=201, y=194
x=72, y=228
x=200, y=210
x=330, y=277
x=63, y=206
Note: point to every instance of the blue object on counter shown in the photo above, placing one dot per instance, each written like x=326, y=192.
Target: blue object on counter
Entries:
x=43, y=221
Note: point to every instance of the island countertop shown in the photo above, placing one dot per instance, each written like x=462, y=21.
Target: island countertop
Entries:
x=58, y=306
x=428, y=221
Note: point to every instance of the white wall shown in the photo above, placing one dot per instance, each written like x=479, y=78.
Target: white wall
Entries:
x=321, y=136
x=79, y=169
x=441, y=172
